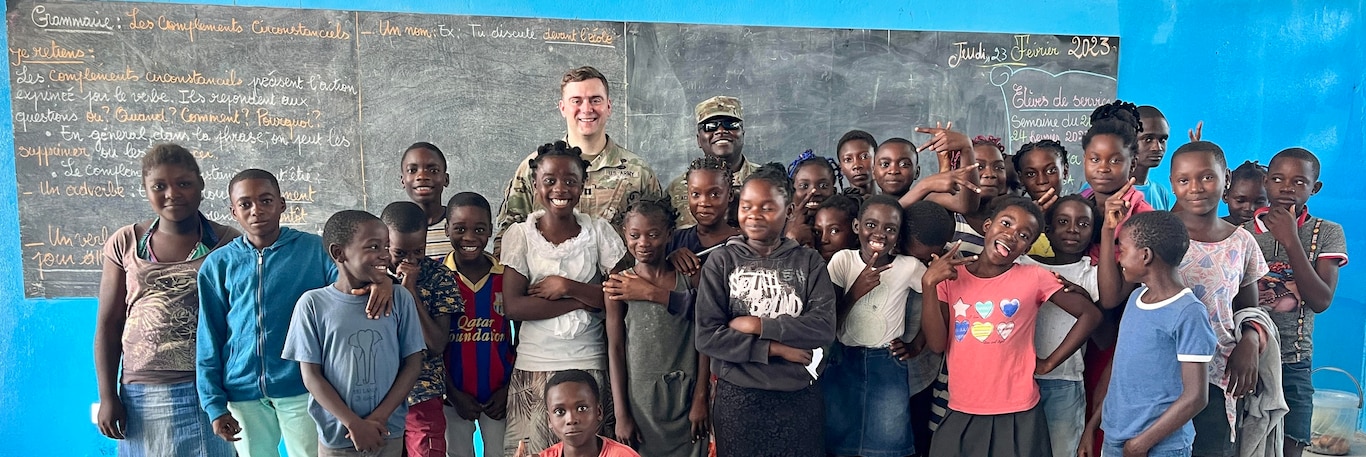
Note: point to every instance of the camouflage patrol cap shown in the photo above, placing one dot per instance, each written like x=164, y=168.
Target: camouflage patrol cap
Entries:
x=719, y=105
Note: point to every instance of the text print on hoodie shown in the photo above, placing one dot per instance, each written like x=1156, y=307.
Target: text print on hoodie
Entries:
x=789, y=291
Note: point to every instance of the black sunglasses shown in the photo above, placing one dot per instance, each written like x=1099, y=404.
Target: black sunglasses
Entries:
x=728, y=124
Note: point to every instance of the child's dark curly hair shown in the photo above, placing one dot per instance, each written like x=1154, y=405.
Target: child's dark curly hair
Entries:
x=660, y=209
x=774, y=174
x=559, y=149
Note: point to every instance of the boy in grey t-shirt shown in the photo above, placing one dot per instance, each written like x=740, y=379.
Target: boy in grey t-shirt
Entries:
x=358, y=371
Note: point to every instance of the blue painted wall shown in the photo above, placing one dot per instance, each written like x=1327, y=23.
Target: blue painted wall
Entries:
x=1263, y=76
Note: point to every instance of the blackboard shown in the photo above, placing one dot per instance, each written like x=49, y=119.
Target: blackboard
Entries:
x=328, y=100
x=804, y=88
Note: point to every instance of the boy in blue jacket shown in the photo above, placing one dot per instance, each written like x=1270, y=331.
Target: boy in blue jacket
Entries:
x=246, y=297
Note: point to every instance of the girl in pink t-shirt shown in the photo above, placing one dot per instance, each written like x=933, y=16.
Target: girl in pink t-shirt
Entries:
x=982, y=314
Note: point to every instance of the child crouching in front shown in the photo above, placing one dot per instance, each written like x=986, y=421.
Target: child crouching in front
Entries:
x=575, y=410
x=358, y=371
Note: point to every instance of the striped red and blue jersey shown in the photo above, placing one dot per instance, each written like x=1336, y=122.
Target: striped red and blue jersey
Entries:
x=479, y=357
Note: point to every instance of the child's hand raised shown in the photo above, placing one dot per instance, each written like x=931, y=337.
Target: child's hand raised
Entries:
x=367, y=435
x=944, y=139
x=685, y=261
x=1194, y=133
x=1116, y=207
x=1282, y=224
x=951, y=181
x=1047, y=200
x=945, y=267
x=869, y=278
x=407, y=274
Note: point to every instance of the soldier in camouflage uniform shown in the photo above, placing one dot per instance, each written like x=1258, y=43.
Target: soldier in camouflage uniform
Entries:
x=720, y=134
x=614, y=173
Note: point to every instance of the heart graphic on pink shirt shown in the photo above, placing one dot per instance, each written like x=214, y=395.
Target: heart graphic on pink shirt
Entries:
x=1005, y=329
x=960, y=309
x=983, y=309
x=960, y=329
x=981, y=330
x=1010, y=307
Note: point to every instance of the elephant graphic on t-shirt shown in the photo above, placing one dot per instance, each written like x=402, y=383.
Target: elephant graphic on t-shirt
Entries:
x=364, y=342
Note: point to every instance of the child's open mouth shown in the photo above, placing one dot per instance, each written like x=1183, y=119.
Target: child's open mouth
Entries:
x=1001, y=248
x=877, y=246
x=559, y=202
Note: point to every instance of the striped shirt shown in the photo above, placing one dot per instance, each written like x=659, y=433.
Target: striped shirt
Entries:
x=479, y=357
x=438, y=244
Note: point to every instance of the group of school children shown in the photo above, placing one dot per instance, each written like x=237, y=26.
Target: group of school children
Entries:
x=843, y=307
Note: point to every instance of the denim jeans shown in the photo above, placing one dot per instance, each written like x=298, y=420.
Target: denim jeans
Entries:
x=1117, y=450
x=1064, y=406
x=165, y=420
x=867, y=405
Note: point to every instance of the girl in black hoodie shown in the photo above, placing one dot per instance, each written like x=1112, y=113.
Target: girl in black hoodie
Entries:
x=763, y=305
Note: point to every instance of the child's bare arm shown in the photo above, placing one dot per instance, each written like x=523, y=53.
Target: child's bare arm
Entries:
x=522, y=307
x=616, y=365
x=403, y=384
x=1114, y=291
x=1088, y=317
x=1194, y=395
x=700, y=411
x=1317, y=289
x=1093, y=423
x=109, y=323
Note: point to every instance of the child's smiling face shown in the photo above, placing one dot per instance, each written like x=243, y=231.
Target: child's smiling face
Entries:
x=1197, y=179
x=763, y=211
x=1009, y=235
x=406, y=247
x=646, y=237
x=814, y=182
x=1245, y=197
x=365, y=257
x=424, y=175
x=469, y=228
x=559, y=183
x=708, y=197
x=879, y=228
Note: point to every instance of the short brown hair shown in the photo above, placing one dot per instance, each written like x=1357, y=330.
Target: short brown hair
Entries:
x=169, y=154
x=585, y=73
